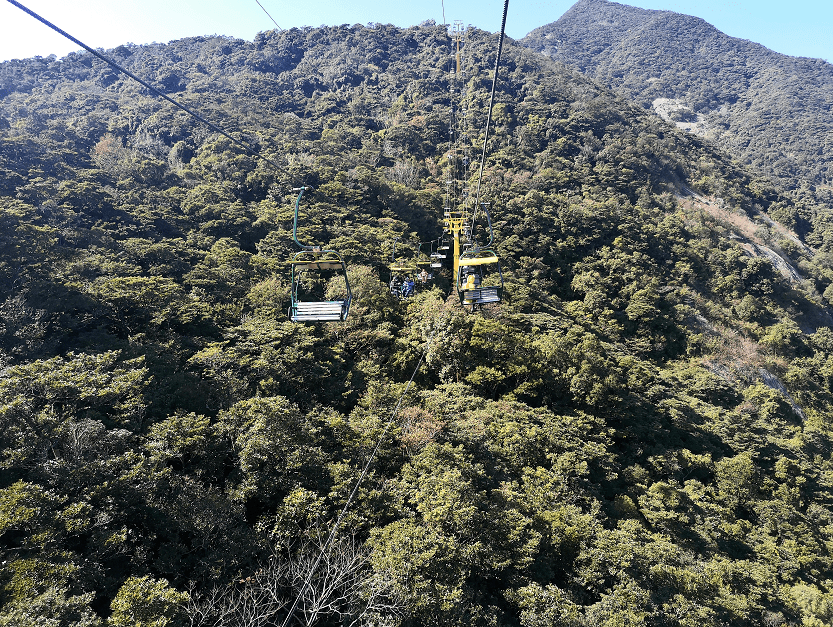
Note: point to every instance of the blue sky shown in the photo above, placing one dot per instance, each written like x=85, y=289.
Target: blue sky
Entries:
x=798, y=27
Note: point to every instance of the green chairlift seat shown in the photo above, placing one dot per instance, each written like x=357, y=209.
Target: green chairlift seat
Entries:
x=423, y=259
x=319, y=263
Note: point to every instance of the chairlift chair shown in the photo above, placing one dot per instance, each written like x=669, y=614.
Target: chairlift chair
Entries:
x=423, y=259
x=436, y=255
x=479, y=276
x=425, y=265
x=316, y=265
x=407, y=270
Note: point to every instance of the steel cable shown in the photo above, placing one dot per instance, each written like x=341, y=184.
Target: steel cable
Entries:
x=247, y=146
x=489, y=117
x=267, y=13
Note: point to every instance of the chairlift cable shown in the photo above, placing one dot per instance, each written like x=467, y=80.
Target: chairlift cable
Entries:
x=489, y=117
x=361, y=478
x=267, y=13
x=251, y=149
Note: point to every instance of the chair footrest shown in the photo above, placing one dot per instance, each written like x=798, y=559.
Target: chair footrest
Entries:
x=316, y=318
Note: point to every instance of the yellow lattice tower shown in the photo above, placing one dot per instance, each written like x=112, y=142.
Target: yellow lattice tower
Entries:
x=454, y=221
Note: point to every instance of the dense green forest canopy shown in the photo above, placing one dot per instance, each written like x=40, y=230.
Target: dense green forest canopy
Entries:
x=639, y=435
x=768, y=110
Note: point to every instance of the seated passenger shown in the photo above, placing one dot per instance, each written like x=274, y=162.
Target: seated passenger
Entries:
x=395, y=285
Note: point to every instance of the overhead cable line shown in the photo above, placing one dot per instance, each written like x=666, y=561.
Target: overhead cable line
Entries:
x=267, y=13
x=352, y=496
x=251, y=149
x=489, y=117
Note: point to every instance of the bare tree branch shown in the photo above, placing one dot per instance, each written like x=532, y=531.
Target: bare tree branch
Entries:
x=344, y=588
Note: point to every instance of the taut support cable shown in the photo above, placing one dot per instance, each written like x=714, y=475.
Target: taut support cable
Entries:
x=251, y=149
x=267, y=13
x=489, y=118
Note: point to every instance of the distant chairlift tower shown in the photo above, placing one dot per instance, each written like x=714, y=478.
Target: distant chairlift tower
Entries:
x=456, y=218
x=477, y=271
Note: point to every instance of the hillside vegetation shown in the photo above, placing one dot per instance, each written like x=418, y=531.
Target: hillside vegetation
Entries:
x=638, y=435
x=769, y=110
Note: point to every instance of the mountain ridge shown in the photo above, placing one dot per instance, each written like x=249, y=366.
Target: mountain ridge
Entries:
x=732, y=91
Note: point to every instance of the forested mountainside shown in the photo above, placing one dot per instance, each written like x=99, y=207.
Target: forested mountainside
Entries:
x=769, y=110
x=639, y=434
